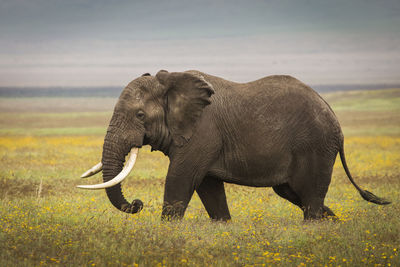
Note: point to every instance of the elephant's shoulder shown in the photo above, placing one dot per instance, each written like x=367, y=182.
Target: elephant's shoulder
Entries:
x=280, y=84
x=194, y=72
x=281, y=80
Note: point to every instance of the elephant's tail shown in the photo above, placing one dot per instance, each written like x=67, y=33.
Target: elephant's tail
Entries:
x=368, y=196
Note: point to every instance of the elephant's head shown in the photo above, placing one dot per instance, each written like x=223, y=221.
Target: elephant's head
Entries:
x=159, y=111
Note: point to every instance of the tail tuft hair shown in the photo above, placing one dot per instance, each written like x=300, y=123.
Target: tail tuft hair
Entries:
x=368, y=196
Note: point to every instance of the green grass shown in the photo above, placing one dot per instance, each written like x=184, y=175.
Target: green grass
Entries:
x=46, y=220
x=369, y=104
x=372, y=100
x=371, y=131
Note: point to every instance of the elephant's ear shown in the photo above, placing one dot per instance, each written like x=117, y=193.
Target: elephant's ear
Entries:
x=187, y=95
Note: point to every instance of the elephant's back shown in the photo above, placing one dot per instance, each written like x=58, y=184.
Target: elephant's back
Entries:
x=286, y=96
x=278, y=107
x=281, y=86
x=277, y=114
x=302, y=114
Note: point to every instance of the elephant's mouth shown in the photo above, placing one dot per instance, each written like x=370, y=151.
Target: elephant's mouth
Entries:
x=117, y=179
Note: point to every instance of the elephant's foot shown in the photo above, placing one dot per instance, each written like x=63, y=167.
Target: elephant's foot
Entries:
x=319, y=214
x=221, y=219
x=329, y=215
x=173, y=211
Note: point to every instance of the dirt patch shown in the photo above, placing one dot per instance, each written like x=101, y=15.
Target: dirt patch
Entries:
x=378, y=180
x=369, y=181
x=19, y=188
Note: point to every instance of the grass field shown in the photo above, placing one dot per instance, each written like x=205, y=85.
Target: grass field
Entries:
x=46, y=143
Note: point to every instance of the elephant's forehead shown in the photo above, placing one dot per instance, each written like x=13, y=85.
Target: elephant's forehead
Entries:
x=142, y=83
x=145, y=87
x=132, y=93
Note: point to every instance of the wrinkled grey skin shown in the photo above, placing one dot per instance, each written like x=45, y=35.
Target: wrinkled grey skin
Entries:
x=274, y=132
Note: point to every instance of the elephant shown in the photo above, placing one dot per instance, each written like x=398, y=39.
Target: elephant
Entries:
x=273, y=132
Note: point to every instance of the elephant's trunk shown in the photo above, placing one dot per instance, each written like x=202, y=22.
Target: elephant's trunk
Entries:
x=113, y=160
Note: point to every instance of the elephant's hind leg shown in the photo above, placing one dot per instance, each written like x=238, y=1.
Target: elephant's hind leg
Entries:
x=284, y=191
x=311, y=181
x=212, y=193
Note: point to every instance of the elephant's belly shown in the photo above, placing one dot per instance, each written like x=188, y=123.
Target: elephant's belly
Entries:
x=263, y=171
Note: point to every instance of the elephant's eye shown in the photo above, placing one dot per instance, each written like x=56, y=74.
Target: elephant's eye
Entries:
x=140, y=115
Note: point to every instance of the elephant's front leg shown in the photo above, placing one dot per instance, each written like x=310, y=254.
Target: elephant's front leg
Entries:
x=186, y=173
x=177, y=194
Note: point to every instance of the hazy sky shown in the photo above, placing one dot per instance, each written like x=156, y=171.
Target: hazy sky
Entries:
x=92, y=43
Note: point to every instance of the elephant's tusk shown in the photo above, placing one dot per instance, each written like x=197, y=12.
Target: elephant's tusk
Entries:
x=120, y=177
x=92, y=171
